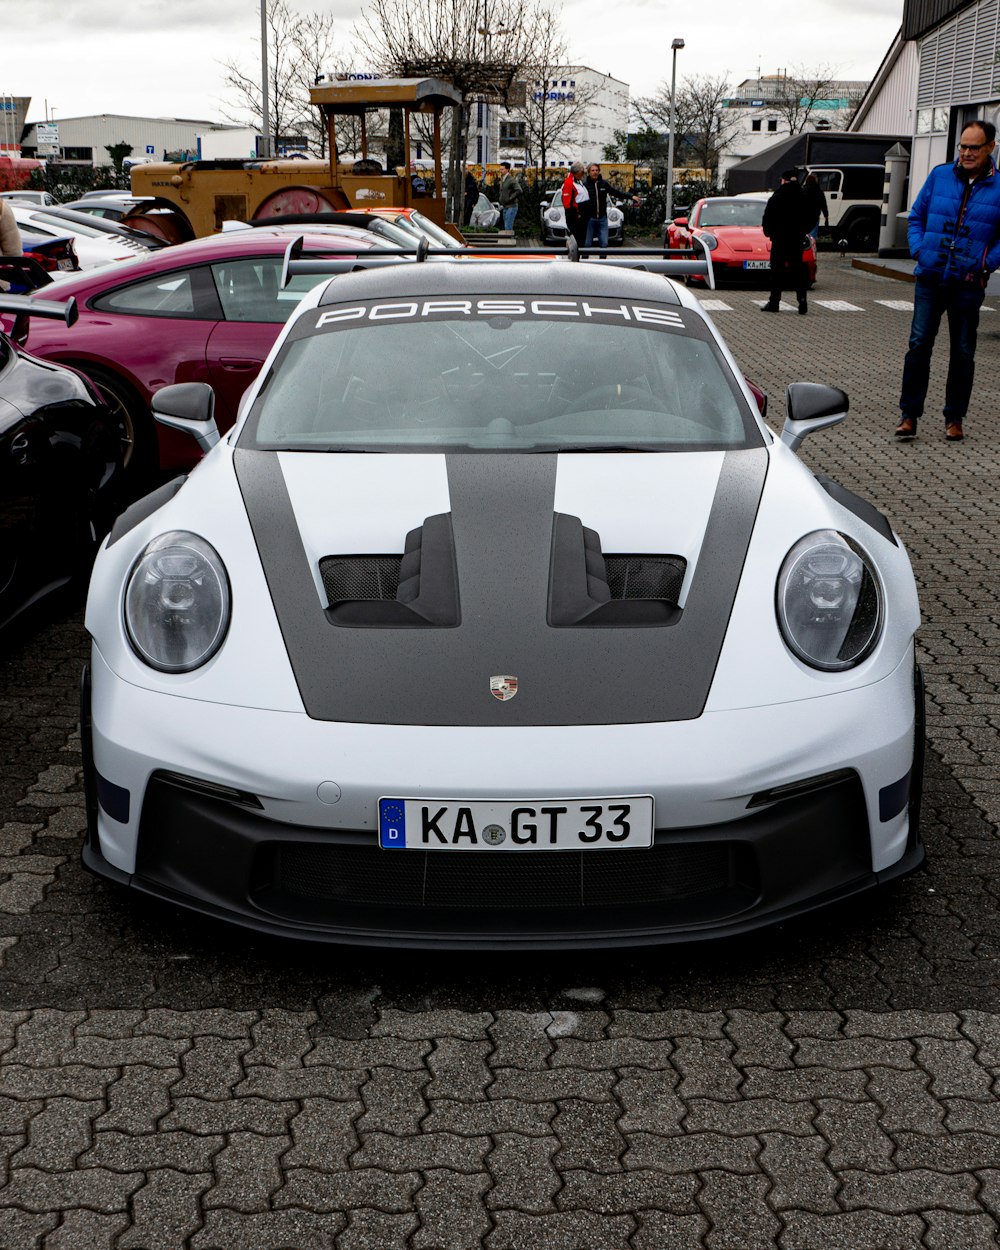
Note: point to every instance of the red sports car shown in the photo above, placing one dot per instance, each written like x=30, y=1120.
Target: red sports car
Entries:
x=731, y=228
x=204, y=311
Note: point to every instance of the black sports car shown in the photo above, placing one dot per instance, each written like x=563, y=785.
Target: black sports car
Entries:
x=60, y=465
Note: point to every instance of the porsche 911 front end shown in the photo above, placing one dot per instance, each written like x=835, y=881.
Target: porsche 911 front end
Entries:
x=488, y=625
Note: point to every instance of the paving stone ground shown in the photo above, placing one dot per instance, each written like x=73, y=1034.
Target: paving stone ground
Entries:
x=166, y=1082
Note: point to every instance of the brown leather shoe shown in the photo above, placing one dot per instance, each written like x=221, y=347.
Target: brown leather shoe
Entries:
x=906, y=430
x=953, y=432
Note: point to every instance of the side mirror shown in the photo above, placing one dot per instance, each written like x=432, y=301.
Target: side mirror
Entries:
x=680, y=221
x=811, y=407
x=189, y=407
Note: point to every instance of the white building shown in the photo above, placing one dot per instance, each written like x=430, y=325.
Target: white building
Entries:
x=86, y=139
x=754, y=113
x=585, y=109
x=942, y=70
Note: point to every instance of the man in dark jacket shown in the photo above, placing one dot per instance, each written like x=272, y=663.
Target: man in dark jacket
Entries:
x=954, y=236
x=470, y=195
x=785, y=224
x=596, y=208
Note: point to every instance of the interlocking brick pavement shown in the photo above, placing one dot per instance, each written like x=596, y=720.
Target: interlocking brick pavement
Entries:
x=166, y=1082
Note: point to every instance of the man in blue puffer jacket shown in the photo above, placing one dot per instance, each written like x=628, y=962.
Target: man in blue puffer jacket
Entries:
x=954, y=236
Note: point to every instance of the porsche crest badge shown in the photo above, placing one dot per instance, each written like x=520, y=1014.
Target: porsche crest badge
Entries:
x=503, y=688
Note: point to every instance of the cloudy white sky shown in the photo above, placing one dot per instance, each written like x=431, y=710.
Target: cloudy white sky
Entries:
x=164, y=57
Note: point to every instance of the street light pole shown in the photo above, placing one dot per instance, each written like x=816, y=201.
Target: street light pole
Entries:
x=265, y=109
x=669, y=214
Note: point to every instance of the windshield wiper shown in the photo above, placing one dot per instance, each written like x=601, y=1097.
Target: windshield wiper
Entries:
x=607, y=447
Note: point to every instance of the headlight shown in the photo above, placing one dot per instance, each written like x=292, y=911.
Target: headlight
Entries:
x=177, y=603
x=829, y=602
x=555, y=216
x=710, y=241
x=615, y=217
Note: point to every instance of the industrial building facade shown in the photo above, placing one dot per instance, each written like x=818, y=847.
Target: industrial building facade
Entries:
x=942, y=70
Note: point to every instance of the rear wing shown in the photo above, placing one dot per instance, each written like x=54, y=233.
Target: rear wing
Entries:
x=24, y=306
x=671, y=262
x=23, y=272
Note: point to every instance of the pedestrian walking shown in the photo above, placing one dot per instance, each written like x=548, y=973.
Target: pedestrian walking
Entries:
x=817, y=205
x=597, y=216
x=954, y=236
x=786, y=219
x=575, y=197
x=471, y=195
x=510, y=196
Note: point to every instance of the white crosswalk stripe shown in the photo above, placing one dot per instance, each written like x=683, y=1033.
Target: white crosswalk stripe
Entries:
x=831, y=305
x=838, y=305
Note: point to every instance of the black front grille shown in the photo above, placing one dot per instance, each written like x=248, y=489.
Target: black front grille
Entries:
x=510, y=879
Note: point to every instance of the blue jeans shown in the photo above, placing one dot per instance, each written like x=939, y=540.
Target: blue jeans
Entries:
x=932, y=298
x=509, y=213
x=598, y=226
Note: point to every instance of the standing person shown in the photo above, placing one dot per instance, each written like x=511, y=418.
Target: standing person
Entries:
x=471, y=195
x=510, y=195
x=816, y=201
x=10, y=235
x=575, y=197
x=954, y=236
x=597, y=217
x=785, y=222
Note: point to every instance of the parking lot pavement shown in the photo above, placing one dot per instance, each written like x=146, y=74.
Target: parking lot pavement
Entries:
x=166, y=1082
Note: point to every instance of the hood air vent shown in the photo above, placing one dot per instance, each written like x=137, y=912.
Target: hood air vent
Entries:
x=589, y=588
x=418, y=588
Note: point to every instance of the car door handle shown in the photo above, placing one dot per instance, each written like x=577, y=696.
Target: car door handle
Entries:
x=239, y=362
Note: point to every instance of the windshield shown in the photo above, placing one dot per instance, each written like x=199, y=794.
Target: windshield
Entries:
x=732, y=213
x=490, y=374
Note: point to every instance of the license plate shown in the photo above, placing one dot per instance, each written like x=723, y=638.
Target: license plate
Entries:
x=506, y=825
x=756, y=264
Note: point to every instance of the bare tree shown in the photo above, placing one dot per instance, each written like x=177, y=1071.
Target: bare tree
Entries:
x=801, y=91
x=705, y=128
x=298, y=48
x=314, y=45
x=550, y=113
x=479, y=46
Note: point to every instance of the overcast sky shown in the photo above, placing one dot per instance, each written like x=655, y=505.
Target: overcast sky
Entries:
x=162, y=58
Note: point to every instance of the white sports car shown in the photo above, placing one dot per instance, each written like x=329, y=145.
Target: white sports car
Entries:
x=501, y=618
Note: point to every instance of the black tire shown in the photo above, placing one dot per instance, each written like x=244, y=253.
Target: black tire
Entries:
x=862, y=234
x=140, y=454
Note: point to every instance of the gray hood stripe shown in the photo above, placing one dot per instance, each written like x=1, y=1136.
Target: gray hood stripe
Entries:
x=502, y=517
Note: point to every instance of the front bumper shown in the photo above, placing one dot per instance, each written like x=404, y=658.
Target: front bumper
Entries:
x=739, y=852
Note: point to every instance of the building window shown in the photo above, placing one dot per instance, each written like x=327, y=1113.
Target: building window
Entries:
x=479, y=114
x=512, y=132
x=479, y=149
x=772, y=125
x=755, y=124
x=77, y=154
x=932, y=121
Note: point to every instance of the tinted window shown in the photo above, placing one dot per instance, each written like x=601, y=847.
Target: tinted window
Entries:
x=525, y=374
x=166, y=295
x=250, y=290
